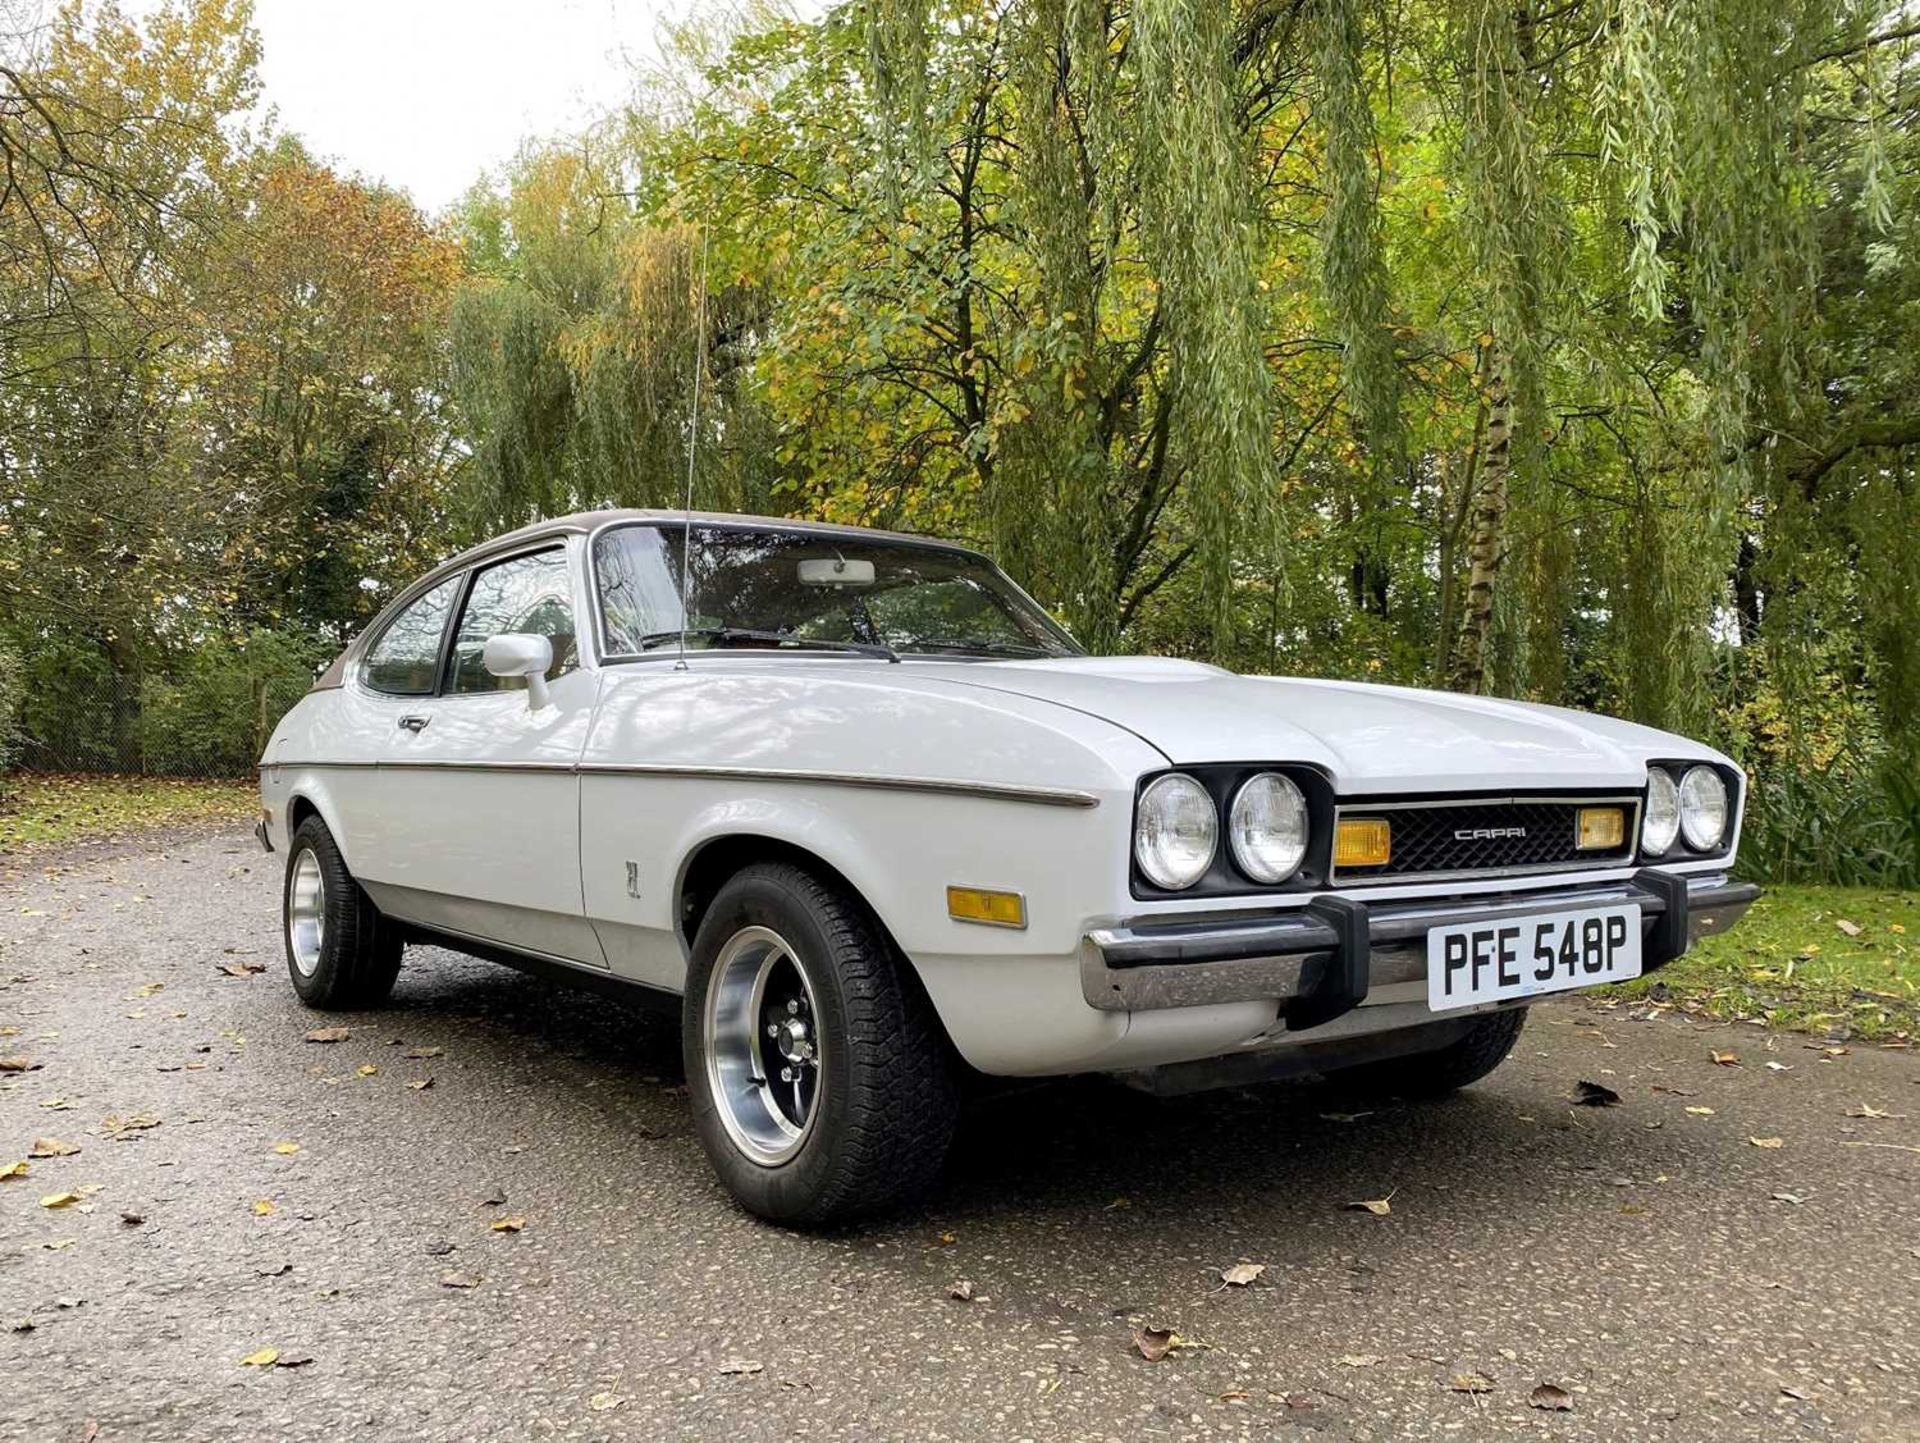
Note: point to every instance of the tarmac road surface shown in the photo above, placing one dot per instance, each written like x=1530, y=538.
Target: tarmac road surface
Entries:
x=1732, y=1252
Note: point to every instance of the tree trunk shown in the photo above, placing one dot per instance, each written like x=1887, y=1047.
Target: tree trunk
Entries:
x=1487, y=546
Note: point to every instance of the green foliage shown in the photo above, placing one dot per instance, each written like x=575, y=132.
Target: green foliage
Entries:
x=213, y=716
x=12, y=683
x=1559, y=351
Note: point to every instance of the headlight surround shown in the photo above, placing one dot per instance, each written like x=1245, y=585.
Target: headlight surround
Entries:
x=1704, y=809
x=1176, y=831
x=1267, y=828
x=1662, y=824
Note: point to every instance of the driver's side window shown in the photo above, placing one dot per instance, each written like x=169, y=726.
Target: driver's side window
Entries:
x=529, y=594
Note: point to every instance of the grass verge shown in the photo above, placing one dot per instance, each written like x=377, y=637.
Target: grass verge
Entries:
x=44, y=811
x=1819, y=959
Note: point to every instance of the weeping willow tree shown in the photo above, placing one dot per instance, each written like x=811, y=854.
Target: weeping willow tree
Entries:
x=575, y=349
x=1632, y=189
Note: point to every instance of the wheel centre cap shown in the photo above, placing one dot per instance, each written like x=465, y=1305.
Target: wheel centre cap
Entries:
x=792, y=1040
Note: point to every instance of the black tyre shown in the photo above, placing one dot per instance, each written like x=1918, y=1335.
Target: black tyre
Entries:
x=1436, y=1073
x=341, y=953
x=818, y=1073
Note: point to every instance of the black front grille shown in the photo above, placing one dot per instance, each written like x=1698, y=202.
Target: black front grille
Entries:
x=1468, y=837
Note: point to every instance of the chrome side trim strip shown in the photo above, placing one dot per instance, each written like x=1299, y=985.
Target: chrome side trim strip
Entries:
x=1002, y=792
x=998, y=791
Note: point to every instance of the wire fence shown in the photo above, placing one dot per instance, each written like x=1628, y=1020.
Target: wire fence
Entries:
x=205, y=725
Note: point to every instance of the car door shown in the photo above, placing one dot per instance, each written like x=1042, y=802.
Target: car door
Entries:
x=389, y=689
x=486, y=782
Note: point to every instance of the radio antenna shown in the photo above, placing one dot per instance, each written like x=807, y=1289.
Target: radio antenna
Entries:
x=693, y=447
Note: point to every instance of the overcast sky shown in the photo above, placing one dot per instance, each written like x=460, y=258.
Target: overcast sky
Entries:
x=425, y=94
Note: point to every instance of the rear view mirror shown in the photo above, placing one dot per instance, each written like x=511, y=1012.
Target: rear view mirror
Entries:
x=836, y=571
x=521, y=653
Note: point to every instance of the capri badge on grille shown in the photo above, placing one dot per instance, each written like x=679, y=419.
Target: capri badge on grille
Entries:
x=1487, y=834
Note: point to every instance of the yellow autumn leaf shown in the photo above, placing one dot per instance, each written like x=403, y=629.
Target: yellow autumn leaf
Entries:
x=265, y=1358
x=265, y=1208
x=286, y=1149
x=59, y=1199
x=16, y=1169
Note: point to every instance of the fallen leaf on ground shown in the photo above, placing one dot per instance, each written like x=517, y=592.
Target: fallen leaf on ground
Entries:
x=1859, y=1110
x=1852, y=929
x=242, y=969
x=1768, y=1141
x=265, y=1208
x=961, y=1290
x=458, y=1280
x=1379, y=1206
x=56, y=1104
x=738, y=1367
x=421, y=1084
x=1470, y=1383
x=1701, y=1111
x=279, y=1270
x=18, y=1064
x=1593, y=1094
x=419, y=1052
x=133, y=1219
x=1359, y=1360
x=265, y=1358
x=293, y=1360
x=328, y=1034
x=15, y=1169
x=59, y=1199
x=1725, y=1059
x=1551, y=1398
x=1778, y=1067
x=286, y=1149
x=139, y=1122
x=1153, y=1344
x=1241, y=1275
x=507, y=1225
x=945, y=1240
x=1794, y=1393
x=605, y=1402
x=1786, y=1197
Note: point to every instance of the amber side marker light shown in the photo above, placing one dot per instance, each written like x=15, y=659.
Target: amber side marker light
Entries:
x=1363, y=842
x=977, y=904
x=1602, y=828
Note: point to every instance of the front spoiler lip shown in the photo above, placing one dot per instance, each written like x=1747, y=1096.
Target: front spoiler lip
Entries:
x=1322, y=960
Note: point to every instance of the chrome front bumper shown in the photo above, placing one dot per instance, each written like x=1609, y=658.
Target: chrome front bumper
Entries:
x=1324, y=959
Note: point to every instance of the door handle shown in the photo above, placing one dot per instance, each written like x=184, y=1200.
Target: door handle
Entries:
x=414, y=724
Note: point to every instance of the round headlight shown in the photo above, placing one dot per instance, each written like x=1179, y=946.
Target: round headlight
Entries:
x=1663, y=813
x=1267, y=828
x=1703, y=808
x=1175, y=832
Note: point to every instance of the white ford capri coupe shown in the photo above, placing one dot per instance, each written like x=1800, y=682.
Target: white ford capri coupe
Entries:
x=866, y=817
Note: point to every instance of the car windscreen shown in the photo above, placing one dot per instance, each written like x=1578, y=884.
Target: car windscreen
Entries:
x=807, y=590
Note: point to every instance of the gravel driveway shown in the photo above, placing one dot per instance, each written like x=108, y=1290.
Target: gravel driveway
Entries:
x=482, y=1214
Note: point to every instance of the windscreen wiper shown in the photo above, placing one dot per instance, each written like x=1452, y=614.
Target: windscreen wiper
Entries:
x=723, y=634
x=978, y=644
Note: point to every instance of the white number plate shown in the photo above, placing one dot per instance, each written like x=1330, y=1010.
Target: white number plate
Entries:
x=1527, y=956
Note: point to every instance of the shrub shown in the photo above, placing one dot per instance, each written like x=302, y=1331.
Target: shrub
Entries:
x=213, y=716
x=1855, y=824
x=12, y=682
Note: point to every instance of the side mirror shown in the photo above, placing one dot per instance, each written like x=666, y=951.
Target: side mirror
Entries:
x=521, y=653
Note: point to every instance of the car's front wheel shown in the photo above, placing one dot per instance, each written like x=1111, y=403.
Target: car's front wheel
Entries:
x=818, y=1073
x=341, y=953
x=1435, y=1073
